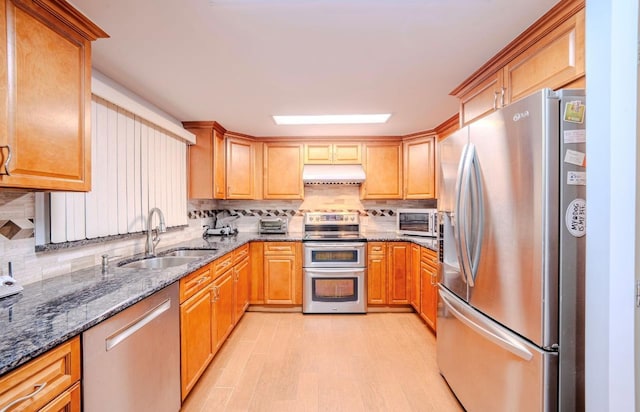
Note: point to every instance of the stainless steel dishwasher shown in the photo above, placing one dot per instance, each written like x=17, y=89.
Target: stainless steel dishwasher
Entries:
x=131, y=361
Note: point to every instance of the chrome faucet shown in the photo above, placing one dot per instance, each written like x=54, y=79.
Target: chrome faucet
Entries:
x=152, y=241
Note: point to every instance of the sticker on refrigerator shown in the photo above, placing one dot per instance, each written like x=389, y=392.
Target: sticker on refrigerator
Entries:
x=574, y=157
x=576, y=178
x=575, y=217
x=574, y=112
x=575, y=136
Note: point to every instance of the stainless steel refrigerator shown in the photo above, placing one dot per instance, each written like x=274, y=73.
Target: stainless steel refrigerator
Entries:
x=510, y=322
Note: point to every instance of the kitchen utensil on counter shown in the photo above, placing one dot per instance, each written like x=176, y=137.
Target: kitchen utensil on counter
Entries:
x=8, y=285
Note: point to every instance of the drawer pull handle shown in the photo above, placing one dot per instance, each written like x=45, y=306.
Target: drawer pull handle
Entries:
x=202, y=279
x=6, y=171
x=38, y=388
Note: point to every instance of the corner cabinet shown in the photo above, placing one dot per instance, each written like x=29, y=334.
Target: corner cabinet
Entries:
x=282, y=171
x=383, y=168
x=206, y=161
x=45, y=115
x=550, y=53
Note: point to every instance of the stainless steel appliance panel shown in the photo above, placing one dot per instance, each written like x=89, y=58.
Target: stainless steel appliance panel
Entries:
x=131, y=361
x=351, y=299
x=489, y=367
x=331, y=254
x=572, y=258
x=516, y=276
x=451, y=151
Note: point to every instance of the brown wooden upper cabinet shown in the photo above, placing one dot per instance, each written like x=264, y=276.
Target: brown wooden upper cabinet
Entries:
x=383, y=168
x=548, y=54
x=206, y=161
x=241, y=168
x=282, y=171
x=419, y=168
x=332, y=153
x=45, y=115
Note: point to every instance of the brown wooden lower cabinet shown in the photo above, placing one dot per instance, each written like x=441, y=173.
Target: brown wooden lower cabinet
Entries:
x=223, y=308
x=52, y=378
x=429, y=287
x=376, y=273
x=282, y=273
x=398, y=272
x=415, y=277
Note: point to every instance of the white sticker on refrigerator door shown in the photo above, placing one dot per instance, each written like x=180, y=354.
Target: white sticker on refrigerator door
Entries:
x=575, y=217
x=575, y=136
x=577, y=178
x=574, y=157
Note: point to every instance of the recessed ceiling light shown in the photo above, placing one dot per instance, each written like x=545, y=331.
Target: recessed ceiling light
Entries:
x=332, y=119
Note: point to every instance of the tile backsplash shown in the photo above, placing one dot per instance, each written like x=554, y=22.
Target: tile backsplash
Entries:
x=17, y=213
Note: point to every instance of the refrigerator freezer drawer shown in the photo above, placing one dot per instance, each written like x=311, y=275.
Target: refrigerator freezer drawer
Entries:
x=488, y=367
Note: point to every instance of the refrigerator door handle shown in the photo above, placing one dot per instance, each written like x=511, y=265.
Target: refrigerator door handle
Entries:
x=496, y=336
x=479, y=215
x=463, y=217
x=457, y=219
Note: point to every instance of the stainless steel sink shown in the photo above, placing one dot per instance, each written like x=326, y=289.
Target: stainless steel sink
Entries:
x=160, y=262
x=191, y=252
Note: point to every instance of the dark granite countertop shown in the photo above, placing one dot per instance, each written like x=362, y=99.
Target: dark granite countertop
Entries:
x=47, y=313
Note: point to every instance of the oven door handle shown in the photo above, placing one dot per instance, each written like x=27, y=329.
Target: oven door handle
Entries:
x=333, y=270
x=341, y=245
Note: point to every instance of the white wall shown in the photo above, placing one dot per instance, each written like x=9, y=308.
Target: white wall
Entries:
x=611, y=66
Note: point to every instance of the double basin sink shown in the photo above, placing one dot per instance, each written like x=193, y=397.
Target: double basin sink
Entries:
x=169, y=259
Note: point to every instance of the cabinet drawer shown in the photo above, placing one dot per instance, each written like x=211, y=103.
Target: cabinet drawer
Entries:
x=222, y=265
x=429, y=257
x=69, y=401
x=57, y=369
x=240, y=253
x=195, y=282
x=376, y=248
x=279, y=248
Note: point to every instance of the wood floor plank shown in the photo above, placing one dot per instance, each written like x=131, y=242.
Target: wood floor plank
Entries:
x=295, y=362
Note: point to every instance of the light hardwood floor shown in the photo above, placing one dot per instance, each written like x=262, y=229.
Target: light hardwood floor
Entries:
x=294, y=362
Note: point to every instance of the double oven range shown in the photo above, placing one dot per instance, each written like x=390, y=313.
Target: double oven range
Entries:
x=334, y=264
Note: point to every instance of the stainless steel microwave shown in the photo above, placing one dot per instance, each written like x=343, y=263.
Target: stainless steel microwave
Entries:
x=419, y=222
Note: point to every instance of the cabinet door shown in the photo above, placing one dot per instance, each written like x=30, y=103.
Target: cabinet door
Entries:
x=398, y=269
x=318, y=153
x=256, y=287
x=282, y=171
x=280, y=279
x=376, y=273
x=201, y=164
x=219, y=168
x=240, y=168
x=347, y=153
x=415, y=277
x=196, y=338
x=483, y=99
x=427, y=308
x=419, y=168
x=383, y=167
x=241, y=270
x=553, y=61
x=223, y=307
x=47, y=69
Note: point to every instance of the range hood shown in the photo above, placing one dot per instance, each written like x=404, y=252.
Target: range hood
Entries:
x=332, y=174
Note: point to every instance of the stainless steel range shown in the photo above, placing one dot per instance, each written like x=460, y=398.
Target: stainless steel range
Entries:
x=334, y=264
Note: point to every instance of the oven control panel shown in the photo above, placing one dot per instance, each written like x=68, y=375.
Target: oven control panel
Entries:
x=331, y=218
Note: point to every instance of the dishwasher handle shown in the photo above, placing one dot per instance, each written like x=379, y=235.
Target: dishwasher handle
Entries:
x=124, y=333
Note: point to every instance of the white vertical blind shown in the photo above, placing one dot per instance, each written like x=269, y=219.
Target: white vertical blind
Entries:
x=136, y=166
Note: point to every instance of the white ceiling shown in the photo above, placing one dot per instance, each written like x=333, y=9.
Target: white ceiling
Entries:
x=240, y=61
